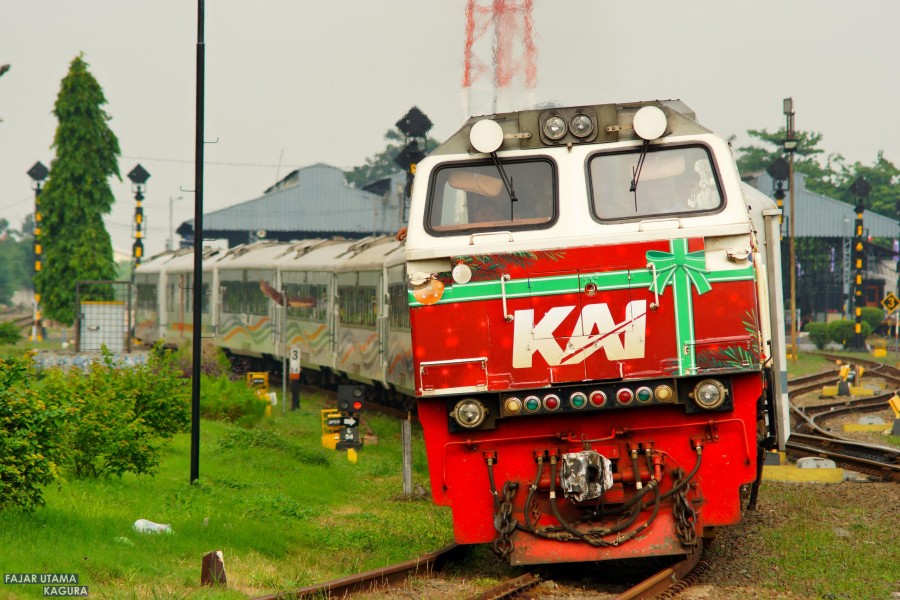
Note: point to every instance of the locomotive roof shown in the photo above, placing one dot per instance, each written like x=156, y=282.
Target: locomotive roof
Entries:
x=614, y=124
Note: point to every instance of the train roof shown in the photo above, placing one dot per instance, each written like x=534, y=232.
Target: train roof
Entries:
x=321, y=257
x=369, y=254
x=613, y=123
x=183, y=260
x=158, y=262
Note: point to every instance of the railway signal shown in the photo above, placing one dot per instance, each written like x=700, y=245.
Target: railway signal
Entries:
x=350, y=398
x=350, y=402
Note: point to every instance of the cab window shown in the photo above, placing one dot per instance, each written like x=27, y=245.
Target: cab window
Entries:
x=473, y=197
x=671, y=181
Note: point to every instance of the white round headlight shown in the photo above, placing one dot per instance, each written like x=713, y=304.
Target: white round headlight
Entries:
x=554, y=128
x=709, y=394
x=469, y=413
x=581, y=126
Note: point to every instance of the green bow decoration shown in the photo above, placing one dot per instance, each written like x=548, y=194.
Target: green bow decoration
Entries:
x=669, y=263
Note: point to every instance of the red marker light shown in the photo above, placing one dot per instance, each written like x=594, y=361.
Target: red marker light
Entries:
x=551, y=401
x=624, y=396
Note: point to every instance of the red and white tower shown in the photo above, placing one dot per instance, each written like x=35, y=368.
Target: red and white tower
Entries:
x=499, y=72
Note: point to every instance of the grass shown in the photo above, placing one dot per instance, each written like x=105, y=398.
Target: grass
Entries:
x=285, y=511
x=817, y=545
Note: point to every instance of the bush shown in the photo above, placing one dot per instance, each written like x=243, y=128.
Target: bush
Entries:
x=9, y=333
x=118, y=417
x=226, y=400
x=843, y=332
x=29, y=436
x=818, y=334
x=873, y=316
x=213, y=361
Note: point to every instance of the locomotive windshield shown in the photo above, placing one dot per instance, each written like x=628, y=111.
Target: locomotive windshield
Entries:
x=472, y=196
x=672, y=181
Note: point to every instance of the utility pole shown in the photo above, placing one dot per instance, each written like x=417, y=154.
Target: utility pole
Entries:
x=790, y=145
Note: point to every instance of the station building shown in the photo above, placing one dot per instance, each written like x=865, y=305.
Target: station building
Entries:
x=824, y=231
x=314, y=201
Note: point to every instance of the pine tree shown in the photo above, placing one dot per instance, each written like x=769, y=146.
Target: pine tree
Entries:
x=75, y=243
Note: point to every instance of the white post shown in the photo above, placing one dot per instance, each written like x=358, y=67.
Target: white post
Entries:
x=406, y=444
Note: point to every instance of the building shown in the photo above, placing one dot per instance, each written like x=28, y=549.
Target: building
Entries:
x=824, y=231
x=314, y=201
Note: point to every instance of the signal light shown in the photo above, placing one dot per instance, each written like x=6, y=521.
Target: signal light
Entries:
x=598, y=398
x=532, y=403
x=624, y=396
x=644, y=395
x=512, y=406
x=551, y=402
x=350, y=398
x=577, y=400
x=664, y=393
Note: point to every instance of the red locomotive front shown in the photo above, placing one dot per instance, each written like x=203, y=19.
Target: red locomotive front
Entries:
x=592, y=335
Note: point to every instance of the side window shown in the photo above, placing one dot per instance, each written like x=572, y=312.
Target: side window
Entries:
x=399, y=305
x=671, y=181
x=358, y=305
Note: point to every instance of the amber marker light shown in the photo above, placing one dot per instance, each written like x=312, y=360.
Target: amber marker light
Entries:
x=512, y=406
x=664, y=393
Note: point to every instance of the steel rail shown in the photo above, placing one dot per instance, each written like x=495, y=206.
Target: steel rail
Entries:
x=385, y=577
x=659, y=582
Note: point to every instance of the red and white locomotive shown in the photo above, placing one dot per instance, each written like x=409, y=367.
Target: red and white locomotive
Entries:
x=597, y=333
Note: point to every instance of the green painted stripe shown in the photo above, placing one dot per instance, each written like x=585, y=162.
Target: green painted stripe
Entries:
x=567, y=284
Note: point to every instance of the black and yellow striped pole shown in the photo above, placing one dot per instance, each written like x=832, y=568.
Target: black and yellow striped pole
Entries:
x=779, y=170
x=38, y=173
x=860, y=189
x=138, y=177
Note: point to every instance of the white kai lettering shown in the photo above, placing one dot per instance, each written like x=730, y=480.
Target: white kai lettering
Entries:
x=594, y=330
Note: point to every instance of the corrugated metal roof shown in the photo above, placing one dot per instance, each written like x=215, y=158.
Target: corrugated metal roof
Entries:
x=820, y=216
x=317, y=199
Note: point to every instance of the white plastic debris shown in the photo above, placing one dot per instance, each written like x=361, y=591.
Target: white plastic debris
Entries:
x=145, y=526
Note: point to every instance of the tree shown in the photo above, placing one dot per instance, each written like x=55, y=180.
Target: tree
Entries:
x=75, y=243
x=16, y=261
x=383, y=164
x=834, y=178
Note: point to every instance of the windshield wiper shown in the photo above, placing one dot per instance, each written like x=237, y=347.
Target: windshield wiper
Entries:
x=506, y=180
x=636, y=172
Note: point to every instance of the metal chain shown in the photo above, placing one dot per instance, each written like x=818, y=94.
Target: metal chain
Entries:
x=503, y=521
x=685, y=516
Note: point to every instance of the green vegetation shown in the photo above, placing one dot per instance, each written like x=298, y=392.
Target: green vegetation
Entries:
x=833, y=178
x=76, y=245
x=285, y=511
x=813, y=555
x=16, y=259
x=9, y=333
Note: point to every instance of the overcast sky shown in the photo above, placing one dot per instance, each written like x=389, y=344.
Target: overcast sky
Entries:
x=291, y=83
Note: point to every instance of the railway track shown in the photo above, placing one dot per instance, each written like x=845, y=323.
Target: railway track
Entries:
x=666, y=583
x=810, y=438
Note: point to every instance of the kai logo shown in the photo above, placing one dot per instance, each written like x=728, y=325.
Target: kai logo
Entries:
x=596, y=329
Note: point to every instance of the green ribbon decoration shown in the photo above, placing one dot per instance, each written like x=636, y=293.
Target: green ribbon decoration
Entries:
x=681, y=268
x=667, y=264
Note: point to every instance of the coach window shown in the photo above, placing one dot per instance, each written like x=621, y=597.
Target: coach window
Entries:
x=146, y=296
x=473, y=196
x=671, y=181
